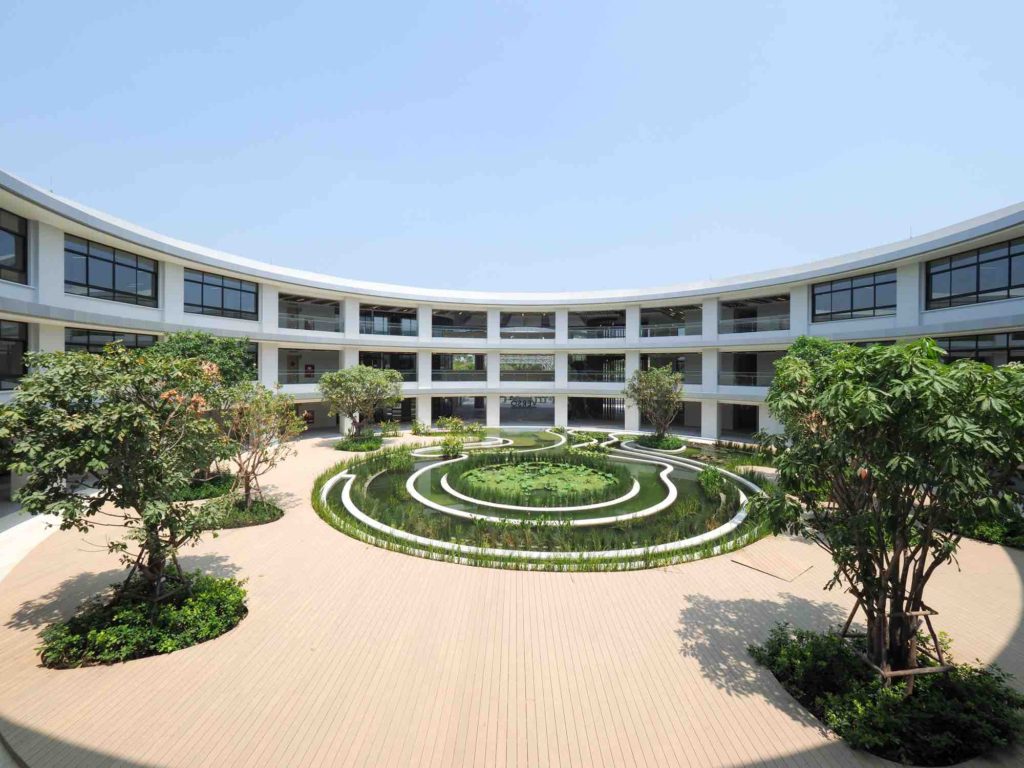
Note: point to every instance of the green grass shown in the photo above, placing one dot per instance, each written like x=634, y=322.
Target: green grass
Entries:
x=545, y=482
x=210, y=488
x=230, y=512
x=663, y=443
x=360, y=444
x=105, y=632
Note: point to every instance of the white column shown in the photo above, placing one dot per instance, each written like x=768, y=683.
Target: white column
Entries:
x=908, y=294
x=632, y=324
x=425, y=320
x=493, y=325
x=48, y=257
x=424, y=368
x=632, y=422
x=561, y=326
x=709, y=370
x=349, y=357
x=268, y=308
x=350, y=315
x=493, y=372
x=799, y=310
x=632, y=363
x=423, y=409
x=172, y=293
x=493, y=411
x=709, y=419
x=268, y=364
x=561, y=410
x=765, y=422
x=709, y=320
x=561, y=370
x=49, y=338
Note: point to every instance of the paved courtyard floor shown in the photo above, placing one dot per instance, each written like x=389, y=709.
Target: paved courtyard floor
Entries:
x=355, y=656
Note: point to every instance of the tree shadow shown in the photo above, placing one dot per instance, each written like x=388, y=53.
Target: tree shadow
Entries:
x=716, y=633
x=22, y=744
x=62, y=601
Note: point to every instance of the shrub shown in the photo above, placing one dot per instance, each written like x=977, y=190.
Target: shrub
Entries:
x=105, y=632
x=452, y=445
x=419, y=428
x=663, y=443
x=230, y=512
x=948, y=718
x=360, y=443
x=711, y=481
x=389, y=428
x=205, y=488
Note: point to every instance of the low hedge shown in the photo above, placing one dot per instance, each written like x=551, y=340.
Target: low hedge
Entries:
x=105, y=632
x=360, y=444
x=663, y=443
x=230, y=512
x=208, y=488
x=948, y=718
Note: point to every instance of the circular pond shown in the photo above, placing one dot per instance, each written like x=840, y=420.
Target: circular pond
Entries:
x=532, y=500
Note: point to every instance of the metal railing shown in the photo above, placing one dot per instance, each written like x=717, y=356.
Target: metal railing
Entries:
x=309, y=323
x=449, y=331
x=524, y=332
x=670, y=329
x=606, y=377
x=527, y=376
x=302, y=377
x=753, y=324
x=739, y=379
x=370, y=328
x=450, y=375
x=598, y=332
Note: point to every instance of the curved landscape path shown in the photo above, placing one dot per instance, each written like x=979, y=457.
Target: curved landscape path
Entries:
x=353, y=655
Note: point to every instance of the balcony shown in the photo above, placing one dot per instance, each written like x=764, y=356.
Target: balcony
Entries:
x=598, y=324
x=670, y=329
x=377, y=327
x=685, y=320
x=745, y=379
x=309, y=323
x=598, y=332
x=447, y=374
x=528, y=376
x=527, y=325
x=598, y=376
x=306, y=313
x=302, y=376
x=754, y=324
x=457, y=332
x=764, y=313
x=458, y=324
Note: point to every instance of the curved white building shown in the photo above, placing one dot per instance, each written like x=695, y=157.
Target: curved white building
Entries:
x=73, y=278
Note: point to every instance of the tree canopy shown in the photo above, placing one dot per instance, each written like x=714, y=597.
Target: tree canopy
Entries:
x=358, y=392
x=231, y=355
x=886, y=453
x=658, y=394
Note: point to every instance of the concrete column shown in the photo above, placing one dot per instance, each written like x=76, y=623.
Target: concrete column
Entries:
x=493, y=411
x=709, y=419
x=561, y=326
x=632, y=417
x=349, y=357
x=632, y=363
x=709, y=370
x=350, y=316
x=268, y=308
x=632, y=324
x=799, y=310
x=493, y=372
x=172, y=293
x=561, y=370
x=709, y=320
x=493, y=325
x=561, y=410
x=909, y=292
x=765, y=422
x=49, y=338
x=424, y=368
x=48, y=258
x=425, y=320
x=423, y=408
x=268, y=364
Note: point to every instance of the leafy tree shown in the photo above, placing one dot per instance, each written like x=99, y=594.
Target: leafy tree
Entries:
x=658, y=393
x=359, y=391
x=259, y=424
x=231, y=355
x=133, y=422
x=887, y=453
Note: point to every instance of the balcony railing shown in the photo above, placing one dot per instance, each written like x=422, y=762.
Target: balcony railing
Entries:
x=670, y=329
x=369, y=327
x=753, y=324
x=450, y=375
x=527, y=376
x=525, y=332
x=740, y=379
x=598, y=332
x=456, y=332
x=309, y=323
x=606, y=377
x=302, y=377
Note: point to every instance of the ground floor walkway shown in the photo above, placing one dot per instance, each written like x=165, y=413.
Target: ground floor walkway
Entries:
x=352, y=655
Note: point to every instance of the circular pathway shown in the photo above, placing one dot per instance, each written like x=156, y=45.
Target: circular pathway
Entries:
x=353, y=655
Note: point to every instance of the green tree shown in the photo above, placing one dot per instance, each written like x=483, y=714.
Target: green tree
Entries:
x=136, y=425
x=259, y=425
x=658, y=393
x=360, y=391
x=230, y=354
x=887, y=453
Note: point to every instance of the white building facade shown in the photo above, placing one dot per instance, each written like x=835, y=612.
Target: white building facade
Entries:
x=72, y=278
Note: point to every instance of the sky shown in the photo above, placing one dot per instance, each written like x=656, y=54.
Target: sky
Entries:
x=520, y=145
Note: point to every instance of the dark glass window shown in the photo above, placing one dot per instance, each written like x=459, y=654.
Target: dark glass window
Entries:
x=209, y=294
x=13, y=248
x=13, y=343
x=871, y=295
x=986, y=274
x=91, y=340
x=102, y=272
x=991, y=348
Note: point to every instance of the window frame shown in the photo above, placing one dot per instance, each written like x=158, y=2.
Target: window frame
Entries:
x=97, y=256
x=9, y=274
x=974, y=265
x=95, y=347
x=212, y=284
x=848, y=288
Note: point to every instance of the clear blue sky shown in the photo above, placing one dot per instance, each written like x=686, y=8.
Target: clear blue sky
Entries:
x=520, y=145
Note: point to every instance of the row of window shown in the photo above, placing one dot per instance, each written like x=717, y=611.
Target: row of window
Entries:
x=985, y=274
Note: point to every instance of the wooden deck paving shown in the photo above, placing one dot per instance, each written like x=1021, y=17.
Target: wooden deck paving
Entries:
x=355, y=656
